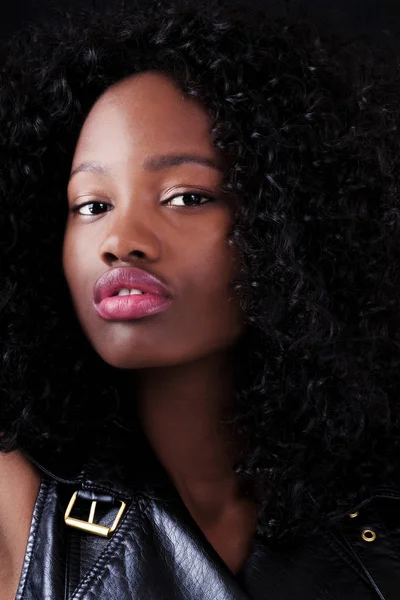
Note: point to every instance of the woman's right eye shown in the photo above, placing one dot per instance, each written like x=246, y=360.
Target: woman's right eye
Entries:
x=90, y=209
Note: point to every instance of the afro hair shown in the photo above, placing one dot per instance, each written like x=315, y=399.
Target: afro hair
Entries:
x=309, y=123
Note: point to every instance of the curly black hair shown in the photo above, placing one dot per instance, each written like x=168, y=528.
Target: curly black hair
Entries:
x=310, y=127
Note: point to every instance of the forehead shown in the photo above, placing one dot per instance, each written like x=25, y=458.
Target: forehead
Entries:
x=144, y=113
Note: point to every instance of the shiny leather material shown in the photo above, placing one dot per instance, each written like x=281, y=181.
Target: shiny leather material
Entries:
x=159, y=553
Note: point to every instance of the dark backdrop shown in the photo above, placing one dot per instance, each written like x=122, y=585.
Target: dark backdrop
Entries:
x=381, y=18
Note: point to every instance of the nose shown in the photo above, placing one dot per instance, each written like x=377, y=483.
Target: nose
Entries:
x=130, y=235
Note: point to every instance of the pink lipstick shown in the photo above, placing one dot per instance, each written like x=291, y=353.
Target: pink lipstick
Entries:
x=129, y=293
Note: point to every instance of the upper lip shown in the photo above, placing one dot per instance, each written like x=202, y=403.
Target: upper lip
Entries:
x=127, y=277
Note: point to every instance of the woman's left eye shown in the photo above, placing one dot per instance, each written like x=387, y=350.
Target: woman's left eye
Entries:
x=188, y=199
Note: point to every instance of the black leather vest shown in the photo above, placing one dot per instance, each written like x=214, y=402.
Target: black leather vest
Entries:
x=157, y=552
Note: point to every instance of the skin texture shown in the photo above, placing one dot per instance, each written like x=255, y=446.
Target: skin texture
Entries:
x=179, y=360
x=17, y=500
x=185, y=247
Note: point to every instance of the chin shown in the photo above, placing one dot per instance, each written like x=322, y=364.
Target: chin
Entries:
x=128, y=362
x=133, y=361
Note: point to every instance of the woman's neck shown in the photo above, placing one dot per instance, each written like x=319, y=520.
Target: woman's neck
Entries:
x=181, y=409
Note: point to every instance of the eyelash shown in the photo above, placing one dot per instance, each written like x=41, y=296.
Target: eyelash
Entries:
x=208, y=199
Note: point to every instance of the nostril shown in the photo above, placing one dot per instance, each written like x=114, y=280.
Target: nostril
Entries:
x=138, y=254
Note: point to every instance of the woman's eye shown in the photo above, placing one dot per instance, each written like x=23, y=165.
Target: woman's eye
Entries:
x=90, y=209
x=188, y=199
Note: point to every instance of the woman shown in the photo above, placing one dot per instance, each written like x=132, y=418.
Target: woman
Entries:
x=199, y=310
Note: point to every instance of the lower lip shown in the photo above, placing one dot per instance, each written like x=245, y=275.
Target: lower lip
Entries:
x=129, y=308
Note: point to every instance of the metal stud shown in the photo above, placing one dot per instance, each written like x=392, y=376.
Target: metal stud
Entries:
x=368, y=535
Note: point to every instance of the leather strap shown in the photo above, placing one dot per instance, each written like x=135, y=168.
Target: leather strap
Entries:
x=83, y=549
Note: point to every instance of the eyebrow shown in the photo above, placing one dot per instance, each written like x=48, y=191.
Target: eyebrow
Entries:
x=174, y=160
x=155, y=163
x=89, y=167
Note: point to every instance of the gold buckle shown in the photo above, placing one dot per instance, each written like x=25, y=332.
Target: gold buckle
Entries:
x=89, y=526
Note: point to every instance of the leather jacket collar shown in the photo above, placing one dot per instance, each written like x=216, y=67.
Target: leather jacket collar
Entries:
x=158, y=552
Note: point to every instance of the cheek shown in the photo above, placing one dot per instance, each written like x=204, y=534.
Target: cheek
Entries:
x=66, y=257
x=210, y=270
x=75, y=269
x=215, y=265
x=207, y=266
x=69, y=260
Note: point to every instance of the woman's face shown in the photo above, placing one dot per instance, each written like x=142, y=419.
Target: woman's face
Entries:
x=146, y=214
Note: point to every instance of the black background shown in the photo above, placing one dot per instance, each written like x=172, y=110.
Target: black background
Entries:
x=379, y=18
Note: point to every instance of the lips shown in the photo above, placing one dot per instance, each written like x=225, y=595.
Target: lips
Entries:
x=155, y=295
